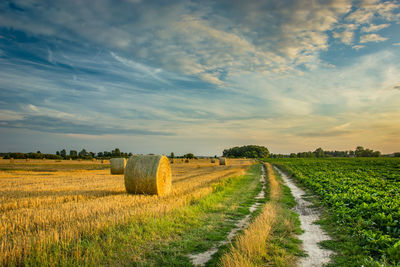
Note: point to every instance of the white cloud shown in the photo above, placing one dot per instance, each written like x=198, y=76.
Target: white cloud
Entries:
x=374, y=28
x=346, y=37
x=358, y=47
x=6, y=115
x=371, y=38
x=199, y=40
x=370, y=9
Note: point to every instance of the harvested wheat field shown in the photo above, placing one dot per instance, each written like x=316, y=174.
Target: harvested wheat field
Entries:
x=44, y=202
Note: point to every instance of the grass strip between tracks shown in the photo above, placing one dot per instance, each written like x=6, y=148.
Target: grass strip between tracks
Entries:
x=271, y=238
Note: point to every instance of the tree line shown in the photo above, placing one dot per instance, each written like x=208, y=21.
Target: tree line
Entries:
x=320, y=153
x=249, y=151
x=73, y=154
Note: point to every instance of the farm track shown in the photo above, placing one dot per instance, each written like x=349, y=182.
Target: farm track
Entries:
x=201, y=259
x=43, y=208
x=313, y=234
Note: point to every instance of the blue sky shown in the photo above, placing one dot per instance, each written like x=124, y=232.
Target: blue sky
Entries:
x=199, y=76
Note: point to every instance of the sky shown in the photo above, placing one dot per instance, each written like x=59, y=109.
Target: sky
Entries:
x=199, y=76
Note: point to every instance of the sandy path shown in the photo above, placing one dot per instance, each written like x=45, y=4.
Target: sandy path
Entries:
x=313, y=234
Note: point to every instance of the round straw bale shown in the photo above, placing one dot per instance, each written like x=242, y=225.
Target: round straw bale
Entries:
x=148, y=174
x=11, y=160
x=212, y=160
x=117, y=165
x=223, y=161
x=186, y=160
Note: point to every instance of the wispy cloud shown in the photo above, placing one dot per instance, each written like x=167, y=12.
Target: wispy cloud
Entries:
x=371, y=38
x=239, y=71
x=374, y=28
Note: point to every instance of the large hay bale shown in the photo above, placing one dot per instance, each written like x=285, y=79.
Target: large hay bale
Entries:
x=11, y=160
x=117, y=165
x=186, y=160
x=148, y=174
x=223, y=161
x=212, y=160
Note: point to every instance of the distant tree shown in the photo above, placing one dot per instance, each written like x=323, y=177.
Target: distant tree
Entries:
x=189, y=156
x=63, y=153
x=83, y=153
x=116, y=153
x=293, y=155
x=361, y=152
x=130, y=154
x=319, y=153
x=73, y=153
x=249, y=151
x=172, y=155
x=397, y=154
x=100, y=155
x=58, y=153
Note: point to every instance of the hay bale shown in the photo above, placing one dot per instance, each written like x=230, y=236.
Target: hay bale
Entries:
x=223, y=161
x=186, y=160
x=148, y=174
x=11, y=160
x=27, y=160
x=212, y=160
x=117, y=165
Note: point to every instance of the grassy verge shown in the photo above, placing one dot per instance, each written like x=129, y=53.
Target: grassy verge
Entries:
x=271, y=238
x=160, y=240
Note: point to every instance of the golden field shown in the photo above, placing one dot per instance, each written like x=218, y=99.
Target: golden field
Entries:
x=47, y=201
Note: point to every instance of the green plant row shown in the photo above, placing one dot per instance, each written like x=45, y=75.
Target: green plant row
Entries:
x=363, y=197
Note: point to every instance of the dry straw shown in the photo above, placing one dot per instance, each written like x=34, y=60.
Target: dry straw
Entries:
x=223, y=161
x=148, y=174
x=171, y=161
x=186, y=160
x=117, y=165
x=212, y=160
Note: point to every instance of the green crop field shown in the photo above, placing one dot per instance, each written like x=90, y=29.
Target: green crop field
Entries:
x=362, y=197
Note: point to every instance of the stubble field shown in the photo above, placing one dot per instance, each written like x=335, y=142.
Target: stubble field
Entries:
x=47, y=202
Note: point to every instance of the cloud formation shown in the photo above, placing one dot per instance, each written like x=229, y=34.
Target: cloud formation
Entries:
x=244, y=70
x=371, y=38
